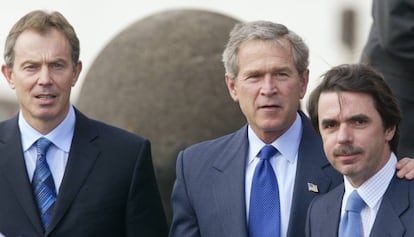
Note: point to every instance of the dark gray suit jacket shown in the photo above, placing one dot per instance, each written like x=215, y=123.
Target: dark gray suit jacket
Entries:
x=108, y=188
x=208, y=197
x=390, y=45
x=394, y=219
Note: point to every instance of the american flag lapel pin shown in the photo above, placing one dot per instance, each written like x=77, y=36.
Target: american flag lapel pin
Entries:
x=313, y=188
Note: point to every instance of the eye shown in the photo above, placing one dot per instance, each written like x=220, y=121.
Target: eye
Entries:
x=30, y=67
x=328, y=124
x=253, y=77
x=360, y=122
x=57, y=65
x=281, y=75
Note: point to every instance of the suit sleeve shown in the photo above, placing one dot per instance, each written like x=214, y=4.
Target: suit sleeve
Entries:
x=394, y=21
x=184, y=222
x=145, y=214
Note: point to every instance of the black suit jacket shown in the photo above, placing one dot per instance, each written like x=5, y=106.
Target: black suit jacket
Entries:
x=394, y=218
x=108, y=188
x=208, y=197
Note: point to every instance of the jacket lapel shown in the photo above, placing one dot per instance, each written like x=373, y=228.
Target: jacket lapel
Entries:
x=13, y=169
x=82, y=156
x=395, y=201
x=228, y=177
x=333, y=212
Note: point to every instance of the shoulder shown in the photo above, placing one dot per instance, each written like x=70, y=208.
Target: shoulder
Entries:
x=322, y=201
x=225, y=143
x=215, y=151
x=103, y=132
x=9, y=128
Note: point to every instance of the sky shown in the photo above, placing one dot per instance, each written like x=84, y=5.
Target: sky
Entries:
x=97, y=22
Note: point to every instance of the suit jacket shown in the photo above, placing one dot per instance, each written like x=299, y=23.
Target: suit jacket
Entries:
x=394, y=218
x=390, y=45
x=208, y=197
x=108, y=188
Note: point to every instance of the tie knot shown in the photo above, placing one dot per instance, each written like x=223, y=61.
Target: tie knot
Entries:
x=355, y=202
x=43, y=145
x=267, y=152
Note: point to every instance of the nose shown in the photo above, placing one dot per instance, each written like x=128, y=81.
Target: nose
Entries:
x=44, y=76
x=268, y=85
x=344, y=134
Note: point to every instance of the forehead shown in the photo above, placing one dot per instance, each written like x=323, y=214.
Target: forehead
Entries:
x=345, y=104
x=32, y=43
x=265, y=51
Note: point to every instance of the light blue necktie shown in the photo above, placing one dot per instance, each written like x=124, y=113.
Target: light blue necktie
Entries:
x=264, y=211
x=43, y=184
x=351, y=224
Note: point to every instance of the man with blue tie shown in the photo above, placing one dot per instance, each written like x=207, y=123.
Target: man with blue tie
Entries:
x=219, y=190
x=358, y=119
x=61, y=173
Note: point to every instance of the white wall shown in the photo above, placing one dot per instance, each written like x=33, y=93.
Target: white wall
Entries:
x=97, y=22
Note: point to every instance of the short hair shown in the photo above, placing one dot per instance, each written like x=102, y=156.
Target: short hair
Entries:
x=41, y=22
x=364, y=79
x=267, y=31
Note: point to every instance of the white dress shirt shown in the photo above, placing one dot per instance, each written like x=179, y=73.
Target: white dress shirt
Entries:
x=58, y=153
x=284, y=164
x=371, y=191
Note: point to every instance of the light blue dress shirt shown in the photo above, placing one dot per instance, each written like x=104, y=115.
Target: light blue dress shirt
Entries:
x=58, y=153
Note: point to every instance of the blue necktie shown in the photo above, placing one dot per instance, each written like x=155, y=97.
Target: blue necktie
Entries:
x=43, y=184
x=264, y=211
x=351, y=224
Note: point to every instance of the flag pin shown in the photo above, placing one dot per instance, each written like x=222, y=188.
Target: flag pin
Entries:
x=313, y=188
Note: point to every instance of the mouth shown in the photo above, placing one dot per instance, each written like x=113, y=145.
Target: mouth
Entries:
x=269, y=107
x=46, y=99
x=348, y=157
x=45, y=96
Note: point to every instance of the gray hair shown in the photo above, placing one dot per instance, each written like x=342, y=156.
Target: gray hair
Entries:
x=263, y=30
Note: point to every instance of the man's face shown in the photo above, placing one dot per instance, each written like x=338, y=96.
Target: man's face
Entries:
x=353, y=134
x=42, y=75
x=268, y=87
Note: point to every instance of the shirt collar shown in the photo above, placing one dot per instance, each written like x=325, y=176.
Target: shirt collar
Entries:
x=287, y=144
x=61, y=136
x=372, y=190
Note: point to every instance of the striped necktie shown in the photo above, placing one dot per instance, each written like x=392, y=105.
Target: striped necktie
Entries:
x=43, y=184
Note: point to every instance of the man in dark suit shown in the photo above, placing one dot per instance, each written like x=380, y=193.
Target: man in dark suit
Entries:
x=358, y=118
x=94, y=179
x=390, y=50
x=267, y=74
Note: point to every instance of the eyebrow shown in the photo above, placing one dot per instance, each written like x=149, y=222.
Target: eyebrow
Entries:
x=352, y=118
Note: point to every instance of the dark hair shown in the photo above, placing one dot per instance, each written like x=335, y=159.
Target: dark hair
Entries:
x=359, y=78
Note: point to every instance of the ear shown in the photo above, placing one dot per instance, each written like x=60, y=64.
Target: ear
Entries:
x=389, y=133
x=304, y=83
x=76, y=72
x=231, y=86
x=8, y=74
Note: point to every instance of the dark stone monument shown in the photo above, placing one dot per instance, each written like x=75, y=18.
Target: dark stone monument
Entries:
x=162, y=78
